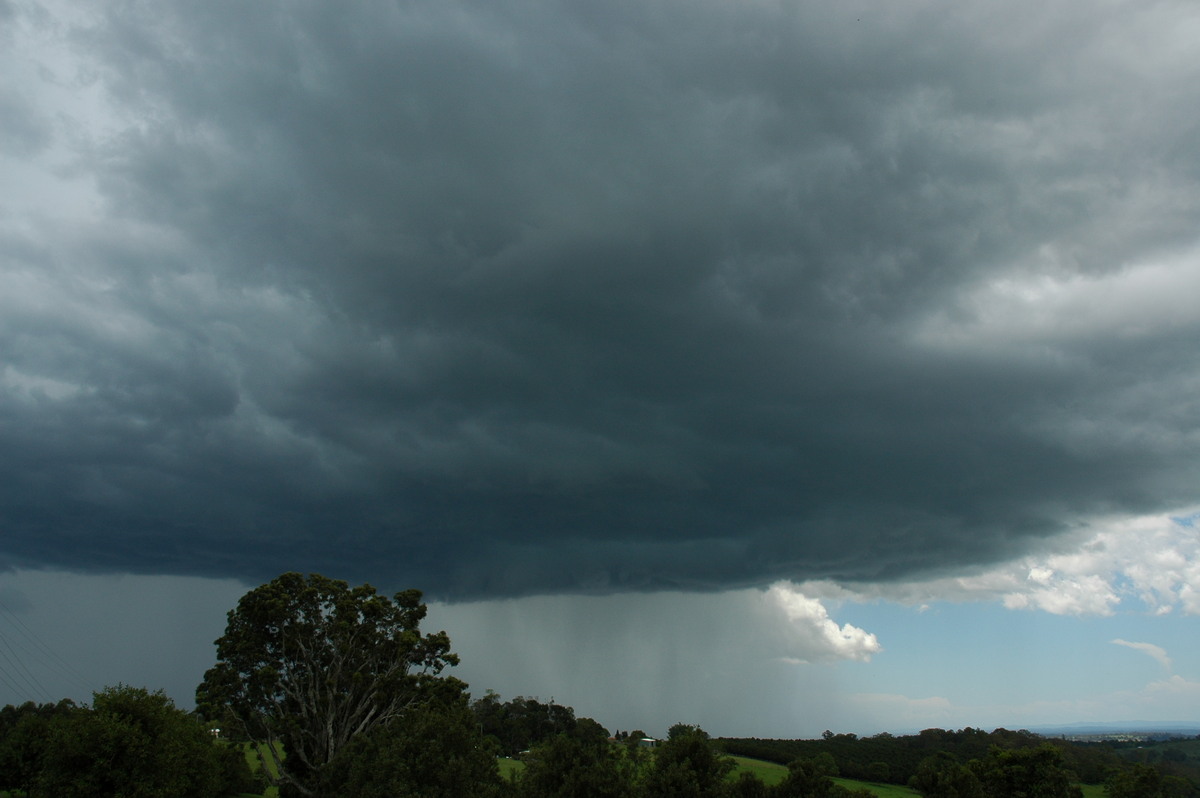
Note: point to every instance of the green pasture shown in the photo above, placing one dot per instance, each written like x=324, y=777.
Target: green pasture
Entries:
x=882, y=790
x=771, y=773
x=257, y=762
x=768, y=773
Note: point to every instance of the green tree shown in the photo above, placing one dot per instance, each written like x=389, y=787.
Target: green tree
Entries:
x=522, y=722
x=1026, y=773
x=590, y=730
x=570, y=766
x=808, y=778
x=1146, y=781
x=943, y=776
x=436, y=752
x=308, y=663
x=687, y=765
x=747, y=785
x=135, y=744
x=24, y=737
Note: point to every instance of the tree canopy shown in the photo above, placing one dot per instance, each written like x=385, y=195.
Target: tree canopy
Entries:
x=688, y=765
x=436, y=751
x=130, y=743
x=308, y=663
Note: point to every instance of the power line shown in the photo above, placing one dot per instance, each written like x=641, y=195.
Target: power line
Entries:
x=17, y=675
x=25, y=647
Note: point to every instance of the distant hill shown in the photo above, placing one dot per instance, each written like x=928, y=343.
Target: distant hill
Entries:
x=1145, y=728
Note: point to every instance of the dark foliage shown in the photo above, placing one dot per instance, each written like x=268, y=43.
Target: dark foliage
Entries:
x=24, y=737
x=747, y=785
x=1026, y=773
x=808, y=778
x=896, y=759
x=130, y=742
x=522, y=723
x=435, y=752
x=1146, y=781
x=570, y=766
x=1176, y=757
x=688, y=765
x=308, y=663
x=943, y=776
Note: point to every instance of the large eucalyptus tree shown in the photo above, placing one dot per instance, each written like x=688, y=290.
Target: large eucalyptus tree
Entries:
x=307, y=663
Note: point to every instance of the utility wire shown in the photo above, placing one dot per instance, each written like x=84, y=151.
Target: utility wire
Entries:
x=35, y=649
x=17, y=674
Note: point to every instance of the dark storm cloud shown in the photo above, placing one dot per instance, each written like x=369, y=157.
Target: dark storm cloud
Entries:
x=500, y=298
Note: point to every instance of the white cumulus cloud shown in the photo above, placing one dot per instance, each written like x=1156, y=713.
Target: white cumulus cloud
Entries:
x=814, y=634
x=1147, y=562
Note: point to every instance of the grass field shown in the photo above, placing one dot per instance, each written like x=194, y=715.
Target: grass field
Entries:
x=770, y=773
x=256, y=762
x=510, y=766
x=882, y=790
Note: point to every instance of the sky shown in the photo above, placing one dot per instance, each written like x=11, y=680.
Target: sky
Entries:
x=773, y=366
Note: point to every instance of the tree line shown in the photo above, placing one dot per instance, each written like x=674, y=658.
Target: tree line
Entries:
x=339, y=693
x=896, y=759
x=968, y=763
x=128, y=742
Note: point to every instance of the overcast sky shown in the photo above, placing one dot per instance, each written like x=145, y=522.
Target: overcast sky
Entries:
x=768, y=365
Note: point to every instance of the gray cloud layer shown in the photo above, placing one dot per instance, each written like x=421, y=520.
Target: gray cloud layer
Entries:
x=508, y=297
